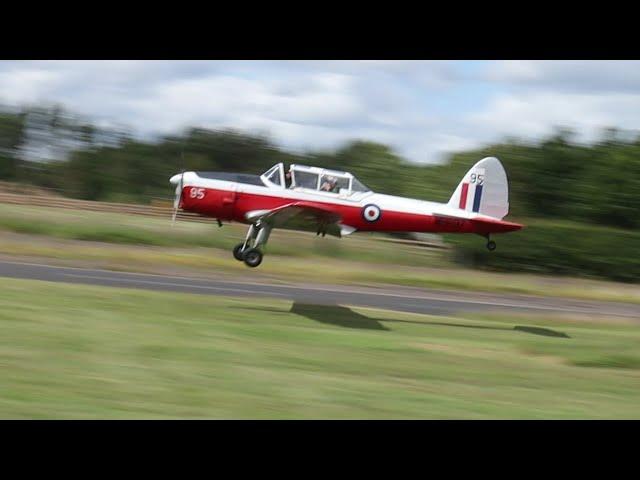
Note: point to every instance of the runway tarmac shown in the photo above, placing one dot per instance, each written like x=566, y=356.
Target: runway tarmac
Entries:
x=416, y=300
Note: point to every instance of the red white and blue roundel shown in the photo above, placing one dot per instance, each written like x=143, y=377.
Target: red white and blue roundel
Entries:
x=371, y=213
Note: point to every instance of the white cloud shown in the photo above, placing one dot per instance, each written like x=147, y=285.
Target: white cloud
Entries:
x=28, y=85
x=568, y=75
x=226, y=100
x=531, y=115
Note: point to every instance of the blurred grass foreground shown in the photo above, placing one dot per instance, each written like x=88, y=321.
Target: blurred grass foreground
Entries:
x=72, y=351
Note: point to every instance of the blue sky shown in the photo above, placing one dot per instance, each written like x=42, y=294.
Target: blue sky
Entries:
x=423, y=109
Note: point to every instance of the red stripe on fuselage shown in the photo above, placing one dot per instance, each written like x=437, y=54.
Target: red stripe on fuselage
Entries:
x=463, y=196
x=211, y=205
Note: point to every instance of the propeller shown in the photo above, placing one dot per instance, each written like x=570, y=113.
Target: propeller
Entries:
x=178, y=199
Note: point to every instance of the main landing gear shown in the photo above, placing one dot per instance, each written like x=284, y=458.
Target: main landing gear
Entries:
x=248, y=251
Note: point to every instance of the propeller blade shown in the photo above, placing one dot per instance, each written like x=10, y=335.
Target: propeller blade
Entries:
x=176, y=202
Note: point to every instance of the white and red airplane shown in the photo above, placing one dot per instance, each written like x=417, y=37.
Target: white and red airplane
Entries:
x=336, y=203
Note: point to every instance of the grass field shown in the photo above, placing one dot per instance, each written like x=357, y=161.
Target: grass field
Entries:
x=143, y=244
x=69, y=351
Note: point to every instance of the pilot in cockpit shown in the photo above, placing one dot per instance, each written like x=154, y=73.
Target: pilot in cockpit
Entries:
x=329, y=184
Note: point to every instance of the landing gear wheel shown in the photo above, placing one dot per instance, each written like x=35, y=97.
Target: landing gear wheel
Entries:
x=238, y=254
x=252, y=257
x=491, y=245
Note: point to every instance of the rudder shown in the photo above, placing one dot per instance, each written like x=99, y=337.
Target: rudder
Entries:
x=483, y=190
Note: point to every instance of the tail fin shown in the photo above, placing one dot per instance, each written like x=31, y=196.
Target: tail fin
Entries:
x=483, y=190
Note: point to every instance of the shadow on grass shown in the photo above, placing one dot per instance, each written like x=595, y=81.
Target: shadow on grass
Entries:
x=547, y=332
x=336, y=315
x=345, y=317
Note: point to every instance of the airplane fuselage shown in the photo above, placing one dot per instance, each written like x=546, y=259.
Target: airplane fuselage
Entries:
x=362, y=211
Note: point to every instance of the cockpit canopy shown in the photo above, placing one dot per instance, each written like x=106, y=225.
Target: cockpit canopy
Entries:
x=313, y=178
x=274, y=176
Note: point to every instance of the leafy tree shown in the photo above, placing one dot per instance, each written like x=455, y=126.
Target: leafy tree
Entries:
x=11, y=138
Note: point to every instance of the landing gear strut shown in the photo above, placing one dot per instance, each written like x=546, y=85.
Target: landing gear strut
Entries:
x=248, y=251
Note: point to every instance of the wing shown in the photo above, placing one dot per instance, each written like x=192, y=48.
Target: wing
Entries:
x=302, y=216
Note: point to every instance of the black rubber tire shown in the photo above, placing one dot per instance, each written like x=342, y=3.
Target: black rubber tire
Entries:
x=491, y=245
x=252, y=257
x=238, y=254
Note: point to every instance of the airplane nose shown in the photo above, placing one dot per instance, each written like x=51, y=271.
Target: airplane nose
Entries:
x=175, y=179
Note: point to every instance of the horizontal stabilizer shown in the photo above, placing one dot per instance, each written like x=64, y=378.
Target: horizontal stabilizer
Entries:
x=491, y=225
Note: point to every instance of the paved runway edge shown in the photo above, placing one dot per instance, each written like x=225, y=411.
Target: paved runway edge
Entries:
x=412, y=300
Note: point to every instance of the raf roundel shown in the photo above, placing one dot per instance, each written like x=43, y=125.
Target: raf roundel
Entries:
x=371, y=212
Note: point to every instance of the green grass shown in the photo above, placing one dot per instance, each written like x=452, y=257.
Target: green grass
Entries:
x=69, y=351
